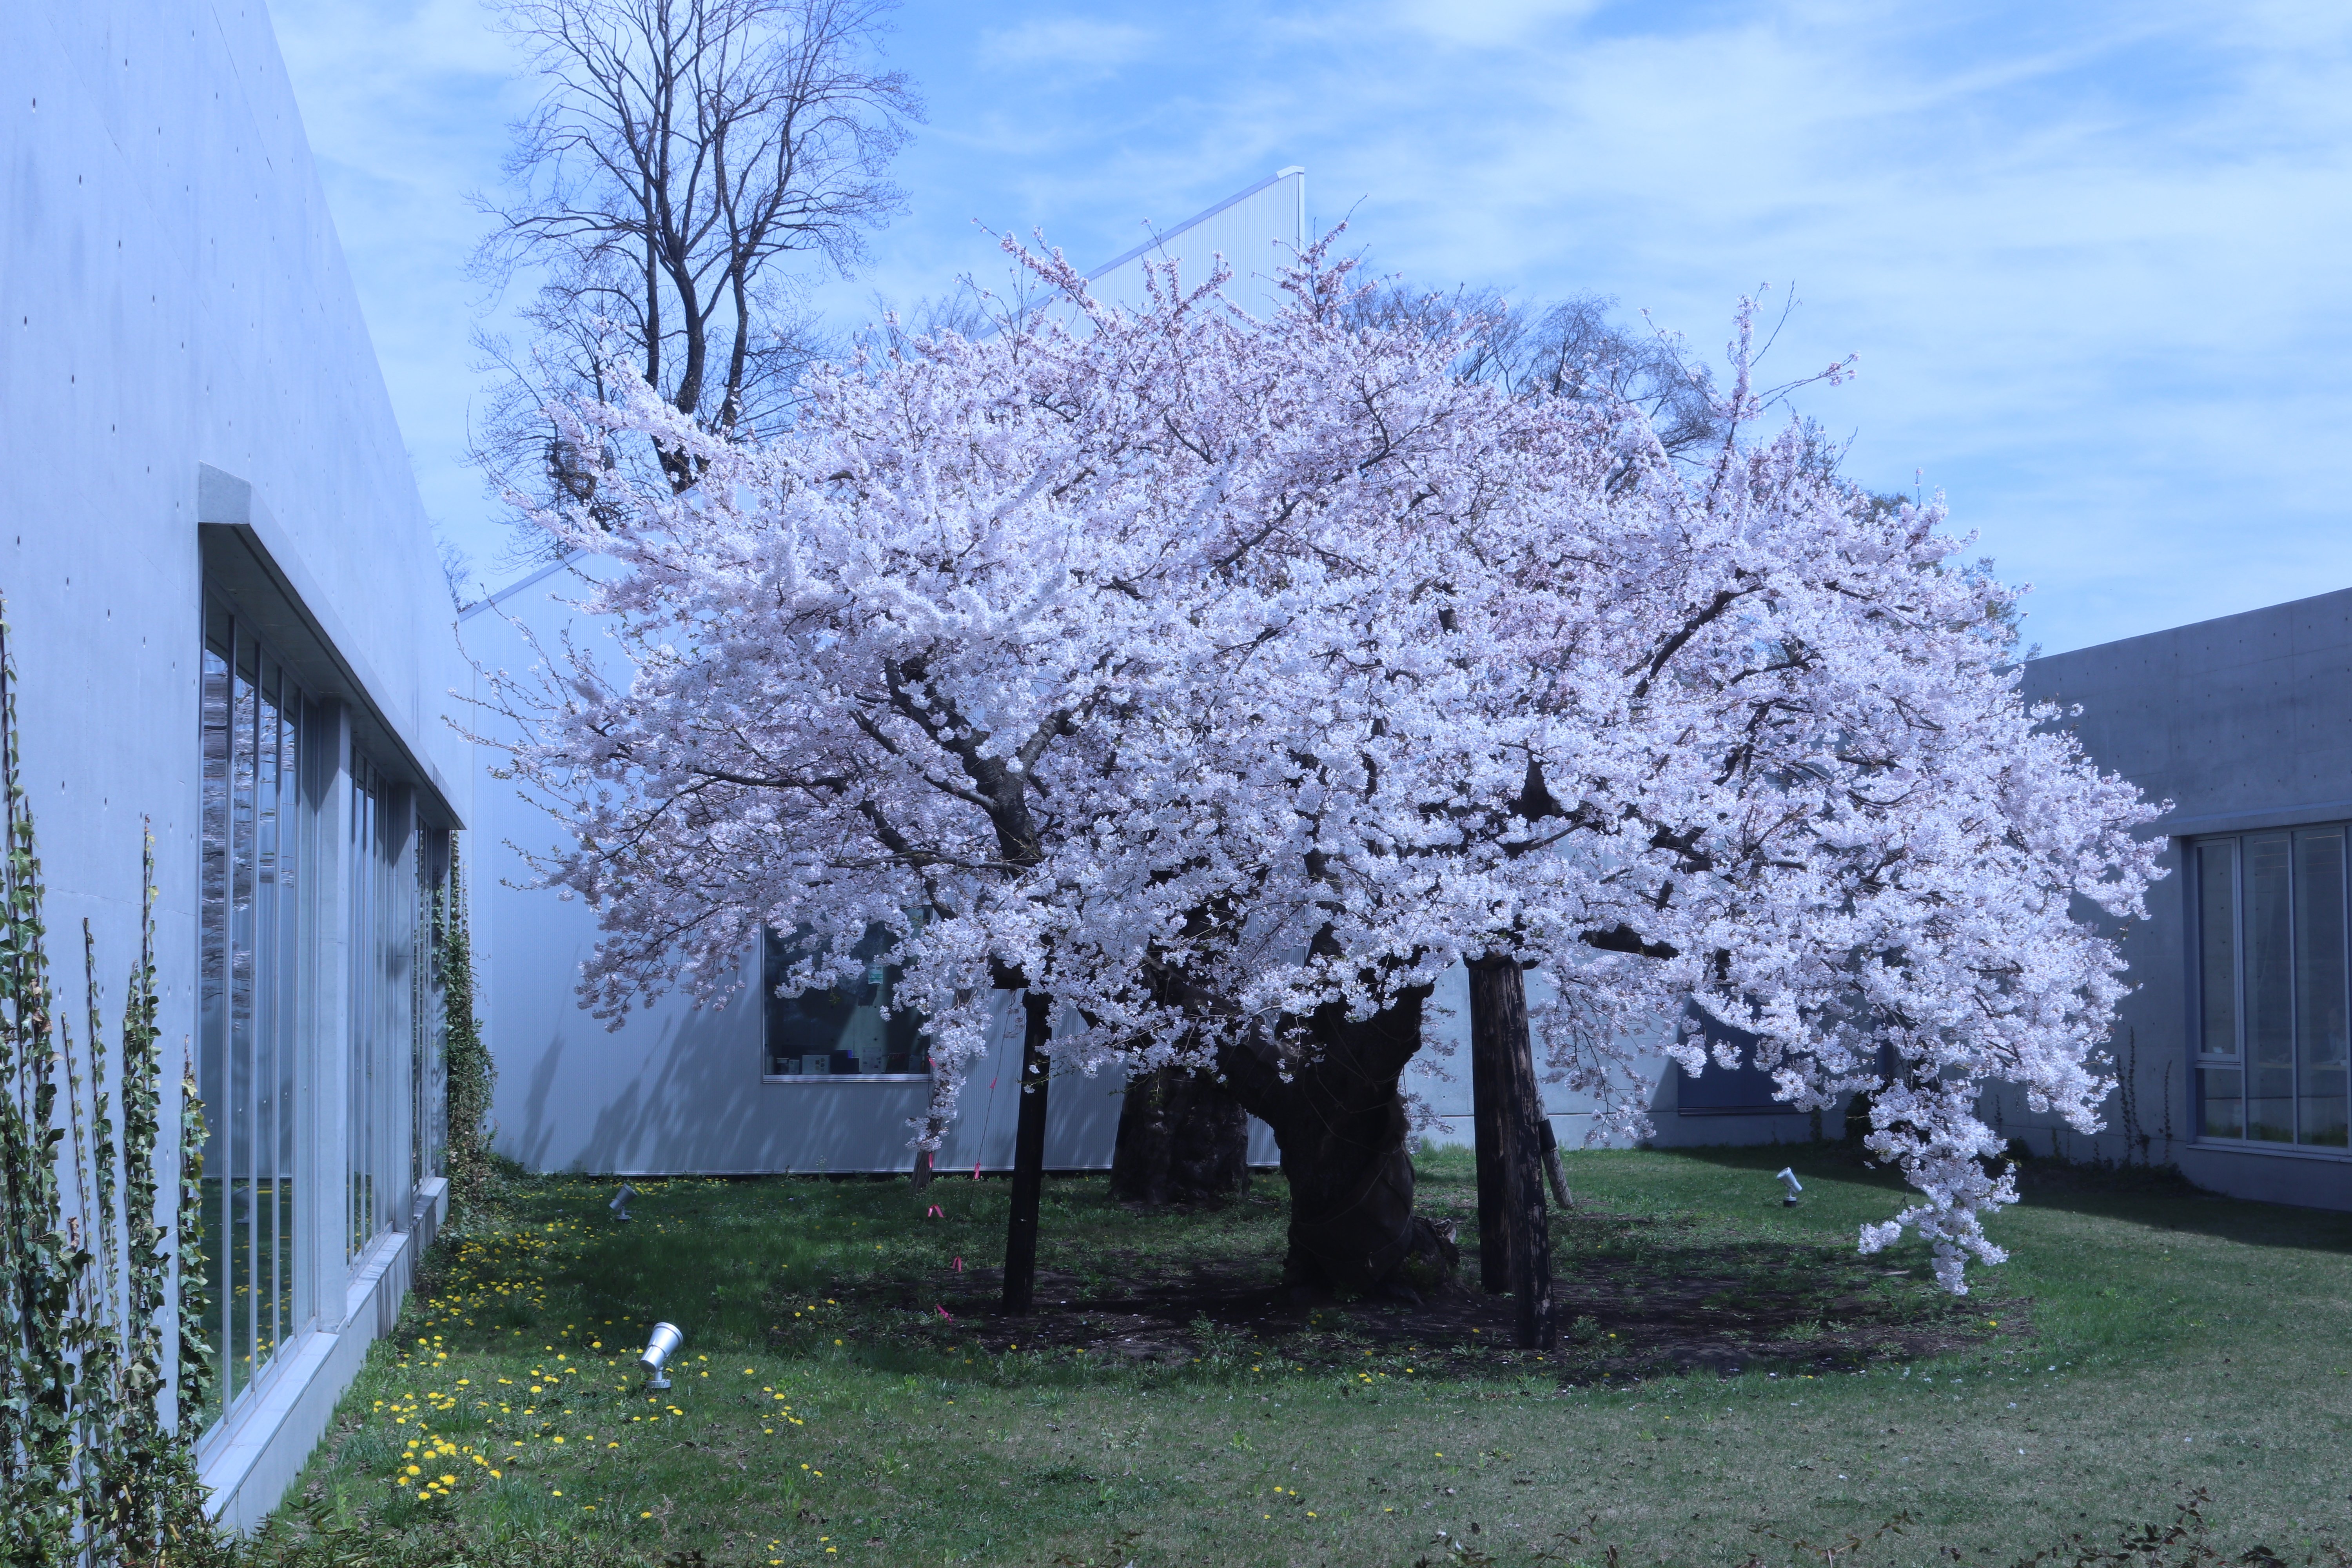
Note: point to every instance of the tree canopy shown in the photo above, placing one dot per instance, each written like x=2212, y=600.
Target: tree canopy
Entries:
x=1228, y=679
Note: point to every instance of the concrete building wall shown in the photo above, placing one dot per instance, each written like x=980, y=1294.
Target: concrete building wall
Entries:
x=2241, y=724
x=178, y=304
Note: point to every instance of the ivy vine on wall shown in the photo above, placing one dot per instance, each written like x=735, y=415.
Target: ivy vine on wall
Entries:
x=470, y=1074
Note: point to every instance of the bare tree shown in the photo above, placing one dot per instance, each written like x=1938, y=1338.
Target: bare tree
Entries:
x=684, y=153
x=1570, y=349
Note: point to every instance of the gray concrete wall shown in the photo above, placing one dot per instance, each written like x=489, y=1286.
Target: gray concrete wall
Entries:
x=2241, y=723
x=174, y=297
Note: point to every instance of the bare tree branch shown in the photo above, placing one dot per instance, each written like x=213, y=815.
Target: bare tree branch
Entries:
x=685, y=153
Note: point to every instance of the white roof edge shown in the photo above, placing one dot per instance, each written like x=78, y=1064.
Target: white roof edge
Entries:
x=520, y=584
x=1202, y=216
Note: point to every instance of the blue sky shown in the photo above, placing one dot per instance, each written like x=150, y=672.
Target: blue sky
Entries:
x=2093, y=255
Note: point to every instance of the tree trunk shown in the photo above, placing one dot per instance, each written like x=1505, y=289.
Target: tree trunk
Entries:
x=1182, y=1139
x=1337, y=1112
x=920, y=1177
x=1490, y=1137
x=1498, y=1031
x=1028, y=1157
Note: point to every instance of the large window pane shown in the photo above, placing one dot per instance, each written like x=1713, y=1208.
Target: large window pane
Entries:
x=244, y=869
x=2223, y=1092
x=2269, y=990
x=841, y=1028
x=287, y=952
x=365, y=929
x=268, y=912
x=248, y=995
x=2217, y=940
x=382, y=939
x=212, y=1000
x=247, y=953
x=2319, y=978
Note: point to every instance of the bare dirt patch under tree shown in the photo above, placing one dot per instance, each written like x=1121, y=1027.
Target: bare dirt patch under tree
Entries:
x=1639, y=1297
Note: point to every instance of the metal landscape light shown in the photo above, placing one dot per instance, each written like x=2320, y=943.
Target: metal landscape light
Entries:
x=620, y=1204
x=664, y=1343
x=1795, y=1187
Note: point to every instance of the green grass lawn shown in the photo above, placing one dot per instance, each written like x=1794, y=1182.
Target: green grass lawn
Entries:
x=1737, y=1385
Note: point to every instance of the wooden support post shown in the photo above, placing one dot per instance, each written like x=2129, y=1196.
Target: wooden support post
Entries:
x=1028, y=1157
x=1553, y=1171
x=1499, y=1029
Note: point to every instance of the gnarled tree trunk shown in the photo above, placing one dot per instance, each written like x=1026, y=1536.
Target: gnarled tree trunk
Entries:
x=1182, y=1139
x=1337, y=1112
x=1514, y=1122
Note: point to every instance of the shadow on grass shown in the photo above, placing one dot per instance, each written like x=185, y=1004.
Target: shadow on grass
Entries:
x=2158, y=1196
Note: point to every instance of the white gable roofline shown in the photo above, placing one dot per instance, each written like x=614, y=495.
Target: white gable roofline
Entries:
x=1160, y=241
x=570, y=559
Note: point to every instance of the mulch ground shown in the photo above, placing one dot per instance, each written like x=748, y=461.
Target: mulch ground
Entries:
x=1635, y=1297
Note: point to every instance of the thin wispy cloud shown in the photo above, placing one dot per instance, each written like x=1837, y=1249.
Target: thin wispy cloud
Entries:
x=1064, y=43
x=2089, y=254
x=1488, y=22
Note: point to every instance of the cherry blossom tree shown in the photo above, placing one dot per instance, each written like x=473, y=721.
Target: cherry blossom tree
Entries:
x=1222, y=681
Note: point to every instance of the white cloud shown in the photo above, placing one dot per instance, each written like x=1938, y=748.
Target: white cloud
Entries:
x=1488, y=22
x=2089, y=254
x=1065, y=44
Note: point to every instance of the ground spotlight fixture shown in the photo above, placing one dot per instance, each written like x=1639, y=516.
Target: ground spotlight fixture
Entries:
x=664, y=1339
x=1795, y=1187
x=620, y=1204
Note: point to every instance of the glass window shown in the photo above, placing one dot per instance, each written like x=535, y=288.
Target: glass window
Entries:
x=1746, y=1089
x=2217, y=906
x=428, y=1116
x=841, y=1030
x=253, y=820
x=383, y=920
x=2319, y=975
x=2270, y=996
x=2275, y=987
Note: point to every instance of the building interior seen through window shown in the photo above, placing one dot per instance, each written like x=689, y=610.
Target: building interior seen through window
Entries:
x=841, y=1030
